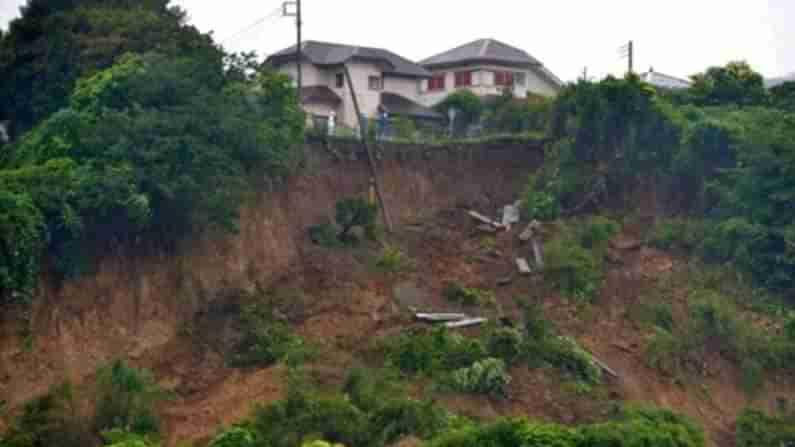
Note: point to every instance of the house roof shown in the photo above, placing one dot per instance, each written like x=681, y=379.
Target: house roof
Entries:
x=482, y=50
x=399, y=105
x=324, y=53
x=490, y=51
x=663, y=80
x=319, y=94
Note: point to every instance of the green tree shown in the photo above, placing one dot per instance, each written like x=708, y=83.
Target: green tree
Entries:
x=468, y=106
x=783, y=96
x=55, y=43
x=354, y=213
x=736, y=83
x=126, y=399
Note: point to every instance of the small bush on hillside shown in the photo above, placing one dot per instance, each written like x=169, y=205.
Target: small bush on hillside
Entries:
x=325, y=235
x=596, y=232
x=468, y=296
x=354, y=213
x=265, y=340
x=645, y=427
x=566, y=354
x=350, y=214
x=575, y=270
x=538, y=203
x=487, y=376
x=432, y=351
x=505, y=343
x=234, y=437
x=393, y=259
x=123, y=438
x=659, y=314
x=52, y=419
x=756, y=429
x=669, y=353
x=683, y=233
x=126, y=398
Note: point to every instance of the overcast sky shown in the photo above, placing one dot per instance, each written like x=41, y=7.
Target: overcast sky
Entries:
x=677, y=37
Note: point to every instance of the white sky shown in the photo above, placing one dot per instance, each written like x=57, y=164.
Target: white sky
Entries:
x=677, y=37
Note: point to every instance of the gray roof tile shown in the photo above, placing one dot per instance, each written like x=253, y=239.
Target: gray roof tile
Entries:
x=323, y=53
x=482, y=50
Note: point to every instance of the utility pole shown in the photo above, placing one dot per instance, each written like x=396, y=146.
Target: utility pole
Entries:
x=298, y=50
x=585, y=74
x=628, y=51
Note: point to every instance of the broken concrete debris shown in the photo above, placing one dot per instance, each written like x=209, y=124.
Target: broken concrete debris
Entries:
x=486, y=221
x=465, y=323
x=530, y=231
x=537, y=253
x=510, y=215
x=523, y=266
x=451, y=320
x=441, y=317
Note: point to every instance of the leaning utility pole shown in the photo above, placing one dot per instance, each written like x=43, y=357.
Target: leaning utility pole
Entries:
x=628, y=51
x=298, y=23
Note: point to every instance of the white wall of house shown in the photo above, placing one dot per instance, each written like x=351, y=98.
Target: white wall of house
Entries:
x=483, y=83
x=369, y=99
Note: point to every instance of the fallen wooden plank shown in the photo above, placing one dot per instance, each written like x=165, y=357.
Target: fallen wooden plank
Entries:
x=523, y=266
x=436, y=317
x=483, y=219
x=466, y=323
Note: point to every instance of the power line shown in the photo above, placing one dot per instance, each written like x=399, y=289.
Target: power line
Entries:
x=274, y=14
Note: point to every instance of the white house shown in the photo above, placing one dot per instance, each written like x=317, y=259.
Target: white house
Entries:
x=380, y=78
x=486, y=67
x=665, y=81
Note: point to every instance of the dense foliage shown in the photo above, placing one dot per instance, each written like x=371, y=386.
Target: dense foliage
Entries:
x=647, y=427
x=55, y=43
x=731, y=163
x=151, y=149
x=757, y=429
x=124, y=413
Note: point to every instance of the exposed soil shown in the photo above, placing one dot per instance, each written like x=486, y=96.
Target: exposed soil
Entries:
x=162, y=312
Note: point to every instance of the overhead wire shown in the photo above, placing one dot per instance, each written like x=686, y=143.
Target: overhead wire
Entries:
x=273, y=15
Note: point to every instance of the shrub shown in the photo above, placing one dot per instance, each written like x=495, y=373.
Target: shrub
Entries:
x=510, y=433
x=538, y=203
x=392, y=259
x=265, y=341
x=669, y=353
x=756, y=429
x=433, y=351
x=596, y=233
x=354, y=213
x=487, y=376
x=566, y=354
x=505, y=343
x=324, y=235
x=405, y=128
x=468, y=296
x=122, y=438
x=52, y=419
x=126, y=398
x=647, y=426
x=234, y=437
x=576, y=270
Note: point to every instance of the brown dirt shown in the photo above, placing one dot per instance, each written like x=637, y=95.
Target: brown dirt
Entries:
x=139, y=307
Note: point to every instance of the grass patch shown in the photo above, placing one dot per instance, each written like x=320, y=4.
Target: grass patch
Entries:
x=468, y=296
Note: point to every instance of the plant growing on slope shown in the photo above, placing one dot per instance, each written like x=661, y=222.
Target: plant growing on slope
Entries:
x=487, y=376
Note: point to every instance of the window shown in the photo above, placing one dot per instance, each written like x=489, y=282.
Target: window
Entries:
x=503, y=78
x=339, y=80
x=519, y=79
x=436, y=82
x=463, y=78
x=376, y=83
